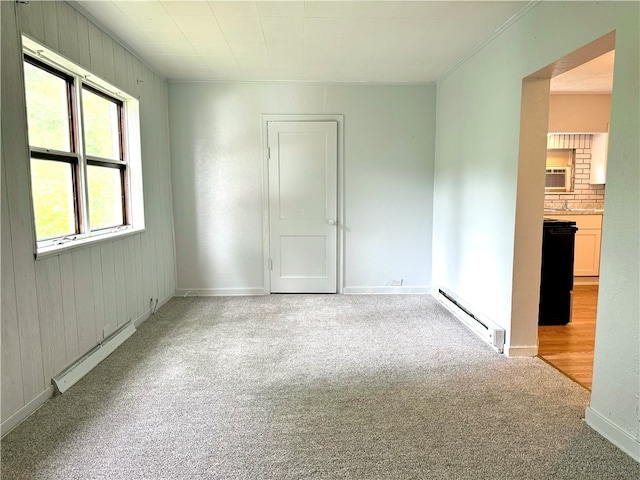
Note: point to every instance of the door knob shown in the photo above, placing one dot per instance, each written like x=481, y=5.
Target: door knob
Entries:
x=332, y=222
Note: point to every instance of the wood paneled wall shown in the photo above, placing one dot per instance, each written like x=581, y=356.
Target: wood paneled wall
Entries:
x=56, y=309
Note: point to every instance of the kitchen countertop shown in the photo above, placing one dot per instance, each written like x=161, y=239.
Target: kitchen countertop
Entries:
x=581, y=211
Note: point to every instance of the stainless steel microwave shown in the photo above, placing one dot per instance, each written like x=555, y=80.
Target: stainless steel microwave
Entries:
x=558, y=179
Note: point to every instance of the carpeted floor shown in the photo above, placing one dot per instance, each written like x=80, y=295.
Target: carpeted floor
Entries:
x=313, y=387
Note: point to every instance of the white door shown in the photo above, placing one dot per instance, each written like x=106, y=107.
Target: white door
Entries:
x=303, y=189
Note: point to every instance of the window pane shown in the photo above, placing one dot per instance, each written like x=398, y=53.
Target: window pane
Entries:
x=53, y=199
x=101, y=129
x=105, y=197
x=47, y=109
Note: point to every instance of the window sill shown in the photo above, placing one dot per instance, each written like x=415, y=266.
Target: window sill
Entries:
x=53, y=250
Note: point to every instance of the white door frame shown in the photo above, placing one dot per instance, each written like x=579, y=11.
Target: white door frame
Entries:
x=265, y=118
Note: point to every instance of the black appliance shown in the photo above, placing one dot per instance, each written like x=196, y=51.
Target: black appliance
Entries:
x=556, y=282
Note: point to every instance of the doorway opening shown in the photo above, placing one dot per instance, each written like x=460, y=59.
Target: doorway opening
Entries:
x=572, y=352
x=579, y=113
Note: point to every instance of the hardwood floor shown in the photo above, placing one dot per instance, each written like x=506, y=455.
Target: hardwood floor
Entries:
x=569, y=348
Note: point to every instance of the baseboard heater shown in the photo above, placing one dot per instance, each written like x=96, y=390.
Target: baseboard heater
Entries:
x=72, y=374
x=482, y=326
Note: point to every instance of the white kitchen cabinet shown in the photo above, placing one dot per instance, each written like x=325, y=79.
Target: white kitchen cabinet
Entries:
x=599, y=148
x=586, y=258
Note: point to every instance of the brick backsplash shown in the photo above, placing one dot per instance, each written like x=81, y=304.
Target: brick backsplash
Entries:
x=585, y=195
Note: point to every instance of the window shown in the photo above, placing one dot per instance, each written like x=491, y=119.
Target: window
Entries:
x=559, y=178
x=84, y=184
x=106, y=166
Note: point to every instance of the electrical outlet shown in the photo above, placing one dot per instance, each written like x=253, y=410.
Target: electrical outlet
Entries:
x=395, y=282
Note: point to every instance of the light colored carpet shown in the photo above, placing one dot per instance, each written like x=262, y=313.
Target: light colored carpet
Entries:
x=313, y=387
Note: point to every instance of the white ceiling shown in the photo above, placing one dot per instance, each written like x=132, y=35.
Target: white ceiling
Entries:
x=330, y=41
x=595, y=76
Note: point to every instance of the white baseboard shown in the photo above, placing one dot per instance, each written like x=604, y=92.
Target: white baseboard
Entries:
x=230, y=292
x=409, y=289
x=521, y=351
x=14, y=420
x=162, y=302
x=147, y=315
x=17, y=418
x=142, y=318
x=613, y=433
x=219, y=292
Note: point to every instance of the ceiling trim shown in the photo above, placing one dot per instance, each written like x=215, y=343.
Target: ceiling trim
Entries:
x=80, y=9
x=77, y=5
x=311, y=82
x=517, y=16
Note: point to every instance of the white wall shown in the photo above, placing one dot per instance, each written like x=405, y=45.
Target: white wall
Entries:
x=216, y=155
x=475, y=192
x=54, y=310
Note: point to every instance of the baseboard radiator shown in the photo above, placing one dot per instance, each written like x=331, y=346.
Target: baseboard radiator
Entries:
x=489, y=331
x=72, y=374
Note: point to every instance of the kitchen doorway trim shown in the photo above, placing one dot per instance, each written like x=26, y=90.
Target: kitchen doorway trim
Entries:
x=527, y=256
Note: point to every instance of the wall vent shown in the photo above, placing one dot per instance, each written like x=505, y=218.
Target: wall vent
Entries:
x=489, y=331
x=72, y=374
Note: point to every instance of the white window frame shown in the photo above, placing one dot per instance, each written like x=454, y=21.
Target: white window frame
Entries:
x=134, y=201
